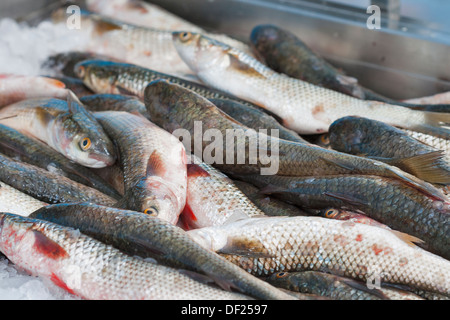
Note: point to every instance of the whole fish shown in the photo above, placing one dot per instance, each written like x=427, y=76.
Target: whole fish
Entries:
x=237, y=149
x=376, y=139
x=27, y=149
x=269, y=205
x=304, y=107
x=335, y=287
x=91, y=269
x=148, y=47
x=14, y=88
x=153, y=163
x=17, y=202
x=141, y=235
x=125, y=78
x=264, y=246
x=255, y=118
x=150, y=15
x=212, y=198
x=114, y=102
x=65, y=126
x=47, y=186
x=387, y=201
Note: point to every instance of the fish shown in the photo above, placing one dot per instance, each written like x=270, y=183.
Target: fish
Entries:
x=153, y=161
x=27, y=149
x=378, y=140
x=269, y=205
x=149, y=237
x=17, y=202
x=64, y=125
x=285, y=53
x=212, y=198
x=150, y=15
x=438, y=98
x=237, y=149
x=75, y=85
x=304, y=107
x=267, y=245
x=148, y=47
x=112, y=175
x=46, y=186
x=385, y=200
x=125, y=78
x=440, y=142
x=92, y=270
x=335, y=287
x=255, y=118
x=114, y=102
x=14, y=88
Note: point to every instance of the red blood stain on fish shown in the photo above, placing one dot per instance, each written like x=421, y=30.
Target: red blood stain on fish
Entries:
x=48, y=247
x=377, y=250
x=403, y=262
x=317, y=109
x=340, y=239
x=359, y=237
x=56, y=280
x=188, y=213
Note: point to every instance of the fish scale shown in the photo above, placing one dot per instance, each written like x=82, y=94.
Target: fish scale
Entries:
x=92, y=269
x=263, y=246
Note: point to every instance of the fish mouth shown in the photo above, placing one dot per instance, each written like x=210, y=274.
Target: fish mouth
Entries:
x=99, y=161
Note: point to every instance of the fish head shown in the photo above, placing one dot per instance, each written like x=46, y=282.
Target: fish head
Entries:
x=162, y=98
x=155, y=198
x=82, y=138
x=98, y=75
x=263, y=37
x=200, y=52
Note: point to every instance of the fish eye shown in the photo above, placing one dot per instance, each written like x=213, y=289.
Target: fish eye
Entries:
x=151, y=211
x=331, y=213
x=185, y=36
x=85, y=143
x=281, y=275
x=81, y=71
x=325, y=139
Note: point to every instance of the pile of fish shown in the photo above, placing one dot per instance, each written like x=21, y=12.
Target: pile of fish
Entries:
x=119, y=180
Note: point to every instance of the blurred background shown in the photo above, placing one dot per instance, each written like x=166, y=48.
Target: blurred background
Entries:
x=406, y=58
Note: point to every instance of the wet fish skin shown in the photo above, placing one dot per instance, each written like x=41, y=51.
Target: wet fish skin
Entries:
x=362, y=136
x=387, y=201
x=114, y=102
x=49, y=187
x=17, y=202
x=440, y=142
x=335, y=287
x=149, y=237
x=304, y=107
x=174, y=107
x=264, y=246
x=14, y=144
x=212, y=198
x=66, y=126
x=125, y=78
x=256, y=119
x=153, y=163
x=90, y=269
x=15, y=88
x=269, y=205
